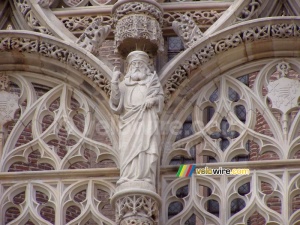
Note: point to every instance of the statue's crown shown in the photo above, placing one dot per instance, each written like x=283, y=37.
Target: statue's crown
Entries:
x=138, y=55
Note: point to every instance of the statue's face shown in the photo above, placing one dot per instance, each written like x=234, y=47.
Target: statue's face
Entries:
x=138, y=70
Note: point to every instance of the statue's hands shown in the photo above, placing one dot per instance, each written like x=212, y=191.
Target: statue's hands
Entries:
x=150, y=103
x=116, y=75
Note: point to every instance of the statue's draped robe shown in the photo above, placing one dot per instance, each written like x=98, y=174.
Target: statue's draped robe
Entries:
x=139, y=127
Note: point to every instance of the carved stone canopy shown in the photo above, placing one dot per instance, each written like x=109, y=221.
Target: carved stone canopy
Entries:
x=138, y=26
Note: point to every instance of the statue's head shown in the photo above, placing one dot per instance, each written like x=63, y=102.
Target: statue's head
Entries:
x=138, y=68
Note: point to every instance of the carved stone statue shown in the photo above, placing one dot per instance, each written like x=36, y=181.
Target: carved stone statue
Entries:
x=138, y=99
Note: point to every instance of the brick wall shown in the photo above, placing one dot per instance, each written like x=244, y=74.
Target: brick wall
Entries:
x=108, y=55
x=13, y=212
x=47, y=212
x=72, y=212
x=273, y=202
x=296, y=203
x=256, y=219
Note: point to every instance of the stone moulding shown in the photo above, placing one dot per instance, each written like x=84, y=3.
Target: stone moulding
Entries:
x=209, y=47
x=34, y=43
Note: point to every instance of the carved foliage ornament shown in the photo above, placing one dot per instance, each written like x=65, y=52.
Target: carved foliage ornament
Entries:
x=3, y=81
x=187, y=30
x=94, y=36
x=48, y=3
x=44, y=3
x=133, y=209
x=138, y=25
x=250, y=10
x=79, y=23
x=29, y=16
x=200, y=17
x=81, y=3
x=58, y=53
x=74, y=3
x=214, y=48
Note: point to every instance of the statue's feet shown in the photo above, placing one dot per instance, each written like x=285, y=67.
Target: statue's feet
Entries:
x=144, y=180
x=122, y=180
x=148, y=180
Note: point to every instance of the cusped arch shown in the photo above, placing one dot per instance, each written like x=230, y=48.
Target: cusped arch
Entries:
x=30, y=208
x=89, y=207
x=80, y=131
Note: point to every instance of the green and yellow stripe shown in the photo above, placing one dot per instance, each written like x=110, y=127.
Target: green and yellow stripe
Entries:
x=185, y=170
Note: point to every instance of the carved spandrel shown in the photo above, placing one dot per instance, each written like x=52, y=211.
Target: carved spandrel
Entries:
x=8, y=105
x=284, y=93
x=8, y=101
